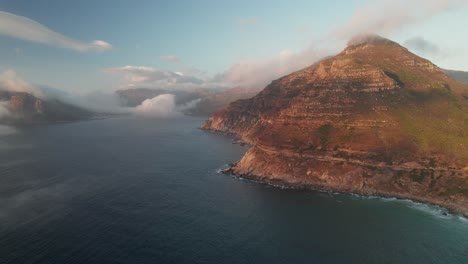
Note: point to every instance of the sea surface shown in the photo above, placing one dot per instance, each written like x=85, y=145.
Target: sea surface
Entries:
x=133, y=190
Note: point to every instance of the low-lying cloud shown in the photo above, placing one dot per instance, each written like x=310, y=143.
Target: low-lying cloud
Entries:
x=6, y=130
x=4, y=112
x=163, y=106
x=10, y=81
x=148, y=77
x=29, y=30
x=257, y=73
x=422, y=46
x=98, y=101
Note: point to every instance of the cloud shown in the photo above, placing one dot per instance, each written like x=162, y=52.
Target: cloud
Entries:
x=98, y=101
x=148, y=77
x=26, y=29
x=257, y=73
x=246, y=22
x=388, y=16
x=163, y=106
x=10, y=81
x=170, y=58
x=422, y=46
x=4, y=112
x=5, y=130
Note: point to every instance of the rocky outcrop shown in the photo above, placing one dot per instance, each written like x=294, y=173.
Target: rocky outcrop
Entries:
x=375, y=119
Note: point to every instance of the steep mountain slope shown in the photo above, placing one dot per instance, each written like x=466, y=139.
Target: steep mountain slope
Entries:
x=24, y=108
x=374, y=119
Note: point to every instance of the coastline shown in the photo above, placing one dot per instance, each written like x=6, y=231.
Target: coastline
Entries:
x=309, y=187
x=278, y=183
x=277, y=172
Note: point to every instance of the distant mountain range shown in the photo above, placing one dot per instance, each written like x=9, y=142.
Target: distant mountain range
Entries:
x=374, y=119
x=25, y=108
x=460, y=76
x=210, y=100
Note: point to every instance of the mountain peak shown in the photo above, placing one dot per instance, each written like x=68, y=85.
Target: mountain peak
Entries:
x=370, y=39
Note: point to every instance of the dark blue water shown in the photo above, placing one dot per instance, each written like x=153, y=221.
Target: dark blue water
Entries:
x=130, y=190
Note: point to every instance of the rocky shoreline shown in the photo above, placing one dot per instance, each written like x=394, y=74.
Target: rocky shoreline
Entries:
x=254, y=171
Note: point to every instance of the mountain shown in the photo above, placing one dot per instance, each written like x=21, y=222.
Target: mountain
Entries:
x=25, y=108
x=374, y=119
x=460, y=76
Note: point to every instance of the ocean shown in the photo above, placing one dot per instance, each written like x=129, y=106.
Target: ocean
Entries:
x=140, y=190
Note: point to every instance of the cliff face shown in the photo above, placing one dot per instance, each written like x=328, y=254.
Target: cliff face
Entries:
x=25, y=108
x=375, y=119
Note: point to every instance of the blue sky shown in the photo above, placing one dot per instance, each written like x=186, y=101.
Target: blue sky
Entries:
x=211, y=36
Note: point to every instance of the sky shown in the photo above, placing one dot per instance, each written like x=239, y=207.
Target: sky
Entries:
x=103, y=45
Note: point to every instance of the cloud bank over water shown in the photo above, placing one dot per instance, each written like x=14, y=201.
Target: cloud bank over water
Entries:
x=6, y=130
x=163, y=106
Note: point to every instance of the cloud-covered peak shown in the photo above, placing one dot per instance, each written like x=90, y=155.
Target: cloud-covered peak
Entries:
x=29, y=30
x=368, y=39
x=10, y=81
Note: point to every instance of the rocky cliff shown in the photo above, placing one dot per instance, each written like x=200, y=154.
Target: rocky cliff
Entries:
x=374, y=119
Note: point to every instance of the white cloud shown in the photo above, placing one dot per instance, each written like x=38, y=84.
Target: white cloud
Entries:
x=142, y=76
x=257, y=73
x=422, y=46
x=163, y=106
x=170, y=58
x=388, y=16
x=26, y=29
x=10, y=81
